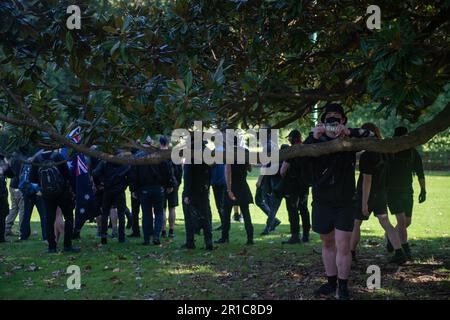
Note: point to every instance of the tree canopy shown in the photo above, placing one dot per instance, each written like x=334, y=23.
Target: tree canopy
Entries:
x=144, y=67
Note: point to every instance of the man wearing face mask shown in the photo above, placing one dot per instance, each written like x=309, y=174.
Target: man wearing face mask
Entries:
x=333, y=191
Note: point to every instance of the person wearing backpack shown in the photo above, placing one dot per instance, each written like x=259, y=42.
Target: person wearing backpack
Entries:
x=5, y=172
x=51, y=173
x=114, y=178
x=31, y=198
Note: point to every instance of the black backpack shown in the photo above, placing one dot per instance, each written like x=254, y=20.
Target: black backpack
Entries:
x=51, y=181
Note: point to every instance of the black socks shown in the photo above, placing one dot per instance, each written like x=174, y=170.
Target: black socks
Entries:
x=343, y=283
x=332, y=281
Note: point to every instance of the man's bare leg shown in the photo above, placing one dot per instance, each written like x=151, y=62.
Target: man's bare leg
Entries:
x=172, y=217
x=356, y=237
x=114, y=218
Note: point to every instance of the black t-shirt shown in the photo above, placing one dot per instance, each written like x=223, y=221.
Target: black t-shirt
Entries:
x=333, y=175
x=401, y=168
x=374, y=164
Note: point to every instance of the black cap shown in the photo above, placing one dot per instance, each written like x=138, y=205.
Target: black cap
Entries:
x=400, y=131
x=333, y=107
x=294, y=134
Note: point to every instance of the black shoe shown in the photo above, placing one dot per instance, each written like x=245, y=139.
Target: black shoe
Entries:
x=76, y=235
x=163, y=234
x=398, y=258
x=407, y=251
x=325, y=290
x=51, y=251
x=188, y=246
x=237, y=217
x=171, y=234
x=265, y=232
x=305, y=238
x=218, y=228
x=134, y=235
x=291, y=240
x=156, y=242
x=222, y=240
x=72, y=249
x=389, y=246
x=146, y=243
x=250, y=242
x=343, y=293
x=275, y=225
x=104, y=241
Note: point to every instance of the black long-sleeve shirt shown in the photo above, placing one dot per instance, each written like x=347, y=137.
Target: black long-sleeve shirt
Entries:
x=52, y=156
x=5, y=172
x=333, y=175
x=197, y=181
x=114, y=177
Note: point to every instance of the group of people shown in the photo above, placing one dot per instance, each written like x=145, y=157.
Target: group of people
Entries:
x=339, y=205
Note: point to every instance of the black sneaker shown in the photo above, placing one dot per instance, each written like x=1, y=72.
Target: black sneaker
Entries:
x=275, y=225
x=163, y=234
x=72, y=249
x=291, y=240
x=188, y=246
x=343, y=293
x=156, y=242
x=325, y=290
x=237, y=217
x=265, y=232
x=171, y=234
x=222, y=240
x=398, y=259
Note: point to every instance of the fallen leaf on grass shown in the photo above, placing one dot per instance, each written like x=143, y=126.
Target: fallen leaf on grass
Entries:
x=117, y=270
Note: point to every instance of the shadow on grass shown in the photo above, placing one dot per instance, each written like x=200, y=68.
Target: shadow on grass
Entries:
x=267, y=270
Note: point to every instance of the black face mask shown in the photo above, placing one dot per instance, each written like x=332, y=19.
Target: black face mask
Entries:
x=332, y=120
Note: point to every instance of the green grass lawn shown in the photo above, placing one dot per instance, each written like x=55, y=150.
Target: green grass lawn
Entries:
x=267, y=270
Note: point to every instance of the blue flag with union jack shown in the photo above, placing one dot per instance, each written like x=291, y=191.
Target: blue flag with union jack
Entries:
x=86, y=206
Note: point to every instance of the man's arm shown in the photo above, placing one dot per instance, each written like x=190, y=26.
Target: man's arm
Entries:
x=284, y=168
x=367, y=183
x=418, y=169
x=229, y=181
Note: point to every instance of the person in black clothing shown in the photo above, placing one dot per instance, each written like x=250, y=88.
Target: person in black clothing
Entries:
x=371, y=197
x=17, y=204
x=333, y=207
x=114, y=178
x=171, y=199
x=148, y=183
x=5, y=172
x=51, y=173
x=297, y=190
x=238, y=193
x=197, y=183
x=400, y=192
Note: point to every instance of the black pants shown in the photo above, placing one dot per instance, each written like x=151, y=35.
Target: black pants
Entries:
x=116, y=199
x=65, y=203
x=295, y=204
x=245, y=211
x=201, y=216
x=219, y=196
x=135, y=206
x=4, y=211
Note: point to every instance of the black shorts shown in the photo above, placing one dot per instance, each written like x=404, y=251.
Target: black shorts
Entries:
x=400, y=202
x=326, y=218
x=171, y=199
x=377, y=205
